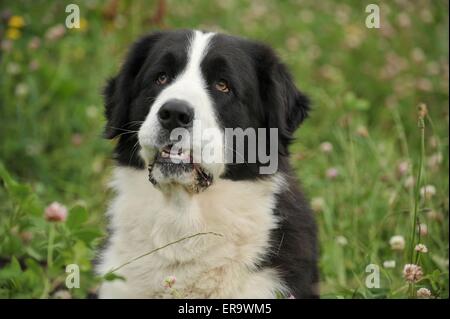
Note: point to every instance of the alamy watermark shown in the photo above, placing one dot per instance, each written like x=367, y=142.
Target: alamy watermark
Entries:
x=373, y=277
x=73, y=17
x=250, y=145
x=73, y=277
x=373, y=18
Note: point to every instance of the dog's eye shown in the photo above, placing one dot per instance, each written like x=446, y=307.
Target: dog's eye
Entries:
x=162, y=79
x=222, y=86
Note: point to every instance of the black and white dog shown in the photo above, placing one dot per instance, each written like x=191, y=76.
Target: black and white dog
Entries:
x=256, y=234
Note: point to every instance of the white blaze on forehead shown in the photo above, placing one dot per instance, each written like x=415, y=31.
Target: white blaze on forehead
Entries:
x=189, y=85
x=198, y=47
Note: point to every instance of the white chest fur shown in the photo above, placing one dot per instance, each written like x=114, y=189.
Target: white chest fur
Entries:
x=143, y=218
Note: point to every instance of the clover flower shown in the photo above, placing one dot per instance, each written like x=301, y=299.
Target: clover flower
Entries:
x=318, y=204
x=403, y=168
x=397, y=242
x=428, y=191
x=423, y=293
x=169, y=281
x=332, y=173
x=34, y=43
x=362, y=131
x=326, y=147
x=423, y=229
x=341, y=240
x=421, y=248
x=62, y=294
x=21, y=90
x=55, y=32
x=56, y=212
x=434, y=161
x=412, y=273
x=409, y=182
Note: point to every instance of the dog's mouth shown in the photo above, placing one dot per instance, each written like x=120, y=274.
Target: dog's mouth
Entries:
x=172, y=155
x=176, y=166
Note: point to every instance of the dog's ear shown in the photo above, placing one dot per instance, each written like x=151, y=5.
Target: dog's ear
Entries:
x=294, y=105
x=120, y=90
x=286, y=107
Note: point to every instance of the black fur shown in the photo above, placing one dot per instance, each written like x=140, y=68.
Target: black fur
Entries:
x=294, y=245
x=263, y=95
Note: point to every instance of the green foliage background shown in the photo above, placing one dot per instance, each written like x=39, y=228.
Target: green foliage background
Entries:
x=365, y=85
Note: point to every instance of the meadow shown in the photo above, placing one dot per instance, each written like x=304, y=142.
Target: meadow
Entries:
x=372, y=157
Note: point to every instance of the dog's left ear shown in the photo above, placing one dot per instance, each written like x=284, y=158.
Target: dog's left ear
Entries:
x=286, y=107
x=294, y=105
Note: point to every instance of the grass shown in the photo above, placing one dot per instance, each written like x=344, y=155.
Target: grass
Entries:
x=365, y=84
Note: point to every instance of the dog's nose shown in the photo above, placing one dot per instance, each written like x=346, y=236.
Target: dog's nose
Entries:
x=174, y=114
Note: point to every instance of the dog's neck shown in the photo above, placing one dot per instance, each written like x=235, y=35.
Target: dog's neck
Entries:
x=128, y=181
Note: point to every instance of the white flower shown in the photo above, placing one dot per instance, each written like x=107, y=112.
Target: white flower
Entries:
x=326, y=147
x=417, y=55
x=13, y=68
x=21, y=90
x=318, y=204
x=423, y=293
x=435, y=160
x=341, y=240
x=62, y=294
x=389, y=264
x=428, y=191
x=421, y=248
x=397, y=242
x=409, y=182
x=92, y=112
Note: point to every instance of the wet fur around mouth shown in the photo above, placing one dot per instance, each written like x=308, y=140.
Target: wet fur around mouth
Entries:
x=173, y=162
x=202, y=179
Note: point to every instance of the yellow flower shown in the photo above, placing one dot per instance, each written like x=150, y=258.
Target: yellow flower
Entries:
x=16, y=22
x=83, y=25
x=13, y=34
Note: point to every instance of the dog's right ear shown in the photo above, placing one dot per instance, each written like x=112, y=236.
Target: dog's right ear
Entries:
x=286, y=107
x=121, y=89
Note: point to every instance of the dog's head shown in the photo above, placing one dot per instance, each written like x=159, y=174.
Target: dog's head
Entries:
x=179, y=92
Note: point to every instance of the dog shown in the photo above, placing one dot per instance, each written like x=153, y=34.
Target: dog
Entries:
x=218, y=229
